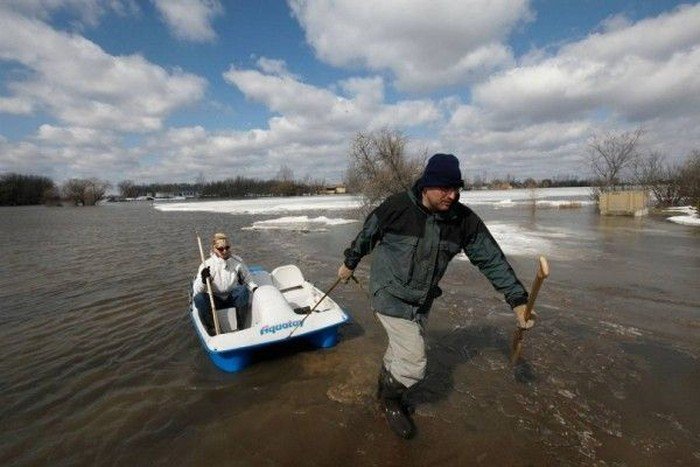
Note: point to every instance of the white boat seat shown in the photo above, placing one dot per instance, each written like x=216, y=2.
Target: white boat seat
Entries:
x=290, y=281
x=269, y=306
x=287, y=278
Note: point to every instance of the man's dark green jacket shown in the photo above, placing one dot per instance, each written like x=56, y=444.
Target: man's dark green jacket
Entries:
x=412, y=247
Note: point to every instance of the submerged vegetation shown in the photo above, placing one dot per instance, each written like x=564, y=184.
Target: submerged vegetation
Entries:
x=22, y=190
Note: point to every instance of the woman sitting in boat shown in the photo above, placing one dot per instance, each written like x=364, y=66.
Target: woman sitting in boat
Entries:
x=231, y=282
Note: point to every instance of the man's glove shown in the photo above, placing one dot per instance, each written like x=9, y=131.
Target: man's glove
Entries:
x=520, y=316
x=206, y=274
x=344, y=273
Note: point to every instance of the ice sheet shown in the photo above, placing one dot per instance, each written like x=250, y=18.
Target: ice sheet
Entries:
x=299, y=223
x=690, y=218
x=545, y=197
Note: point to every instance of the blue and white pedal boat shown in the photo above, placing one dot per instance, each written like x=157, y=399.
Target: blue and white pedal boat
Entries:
x=271, y=319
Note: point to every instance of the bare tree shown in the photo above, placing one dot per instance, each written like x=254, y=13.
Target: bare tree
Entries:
x=690, y=179
x=127, y=189
x=285, y=174
x=95, y=191
x=200, y=181
x=379, y=166
x=73, y=190
x=611, y=155
x=85, y=192
x=661, y=178
x=284, y=182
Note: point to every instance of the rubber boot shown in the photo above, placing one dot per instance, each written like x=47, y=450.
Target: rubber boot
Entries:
x=391, y=393
x=407, y=406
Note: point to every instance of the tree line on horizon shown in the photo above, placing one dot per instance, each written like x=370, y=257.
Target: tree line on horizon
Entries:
x=22, y=190
x=379, y=165
x=238, y=187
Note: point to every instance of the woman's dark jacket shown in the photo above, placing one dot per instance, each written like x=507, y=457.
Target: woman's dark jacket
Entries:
x=412, y=248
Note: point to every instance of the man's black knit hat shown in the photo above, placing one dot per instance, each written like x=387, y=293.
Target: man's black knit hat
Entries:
x=442, y=170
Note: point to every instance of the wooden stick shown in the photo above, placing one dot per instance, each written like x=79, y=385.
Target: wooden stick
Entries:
x=518, y=336
x=211, y=295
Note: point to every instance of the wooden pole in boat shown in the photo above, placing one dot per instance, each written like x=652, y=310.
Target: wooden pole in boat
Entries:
x=315, y=306
x=211, y=295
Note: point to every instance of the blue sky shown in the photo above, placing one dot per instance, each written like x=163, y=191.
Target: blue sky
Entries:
x=173, y=90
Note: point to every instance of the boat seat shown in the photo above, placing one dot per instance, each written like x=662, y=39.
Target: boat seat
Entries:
x=290, y=281
x=270, y=306
x=287, y=277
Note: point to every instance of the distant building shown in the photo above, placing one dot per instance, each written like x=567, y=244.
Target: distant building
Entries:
x=335, y=190
x=180, y=195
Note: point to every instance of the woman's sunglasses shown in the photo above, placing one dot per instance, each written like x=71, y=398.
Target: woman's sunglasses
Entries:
x=223, y=248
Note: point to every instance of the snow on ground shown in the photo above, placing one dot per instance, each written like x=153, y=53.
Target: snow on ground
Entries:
x=299, y=223
x=690, y=216
x=544, y=197
x=515, y=240
x=268, y=205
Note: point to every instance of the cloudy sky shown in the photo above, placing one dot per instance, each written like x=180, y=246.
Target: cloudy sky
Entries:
x=176, y=90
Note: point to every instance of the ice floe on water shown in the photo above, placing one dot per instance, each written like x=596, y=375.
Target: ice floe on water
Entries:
x=622, y=330
x=689, y=217
x=299, y=223
x=516, y=240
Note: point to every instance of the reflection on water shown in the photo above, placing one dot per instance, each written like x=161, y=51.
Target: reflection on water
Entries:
x=101, y=365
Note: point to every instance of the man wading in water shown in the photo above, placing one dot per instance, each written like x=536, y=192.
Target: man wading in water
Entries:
x=414, y=235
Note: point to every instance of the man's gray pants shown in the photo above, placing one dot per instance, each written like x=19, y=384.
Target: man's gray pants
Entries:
x=405, y=356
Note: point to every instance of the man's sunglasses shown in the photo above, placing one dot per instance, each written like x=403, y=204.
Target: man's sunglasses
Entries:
x=223, y=248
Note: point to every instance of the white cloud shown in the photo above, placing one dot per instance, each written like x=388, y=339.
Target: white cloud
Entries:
x=536, y=117
x=15, y=105
x=74, y=136
x=274, y=67
x=89, y=11
x=77, y=82
x=636, y=72
x=531, y=119
x=424, y=44
x=306, y=110
x=65, y=152
x=310, y=132
x=190, y=19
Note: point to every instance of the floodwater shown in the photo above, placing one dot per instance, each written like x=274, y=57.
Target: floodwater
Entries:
x=101, y=365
